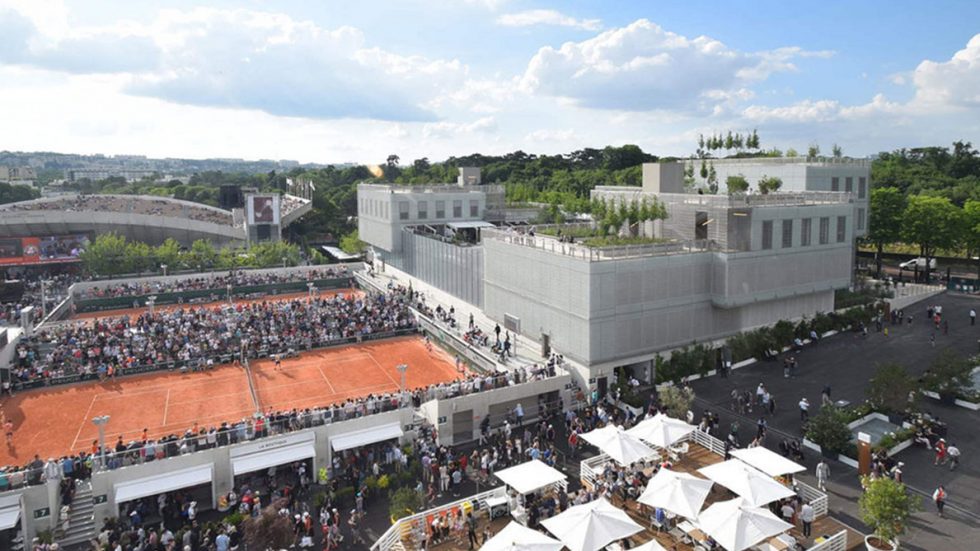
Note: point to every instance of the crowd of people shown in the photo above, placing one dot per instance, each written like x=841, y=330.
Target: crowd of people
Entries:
x=126, y=204
x=55, y=290
x=218, y=282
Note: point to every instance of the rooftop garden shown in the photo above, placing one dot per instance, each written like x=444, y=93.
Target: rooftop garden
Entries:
x=617, y=223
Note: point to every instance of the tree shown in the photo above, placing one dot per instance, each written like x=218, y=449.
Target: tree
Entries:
x=267, y=255
x=139, y=257
x=886, y=507
x=828, y=428
x=168, y=253
x=403, y=502
x=736, y=183
x=887, y=209
x=931, y=222
x=269, y=530
x=892, y=389
x=836, y=151
x=792, y=153
x=201, y=255
x=678, y=400
x=971, y=230
x=106, y=255
x=768, y=184
x=12, y=193
x=352, y=244
x=813, y=151
x=712, y=179
x=688, y=175
x=704, y=170
x=949, y=375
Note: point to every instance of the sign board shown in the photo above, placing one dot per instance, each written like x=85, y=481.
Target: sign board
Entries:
x=100, y=499
x=442, y=420
x=262, y=209
x=44, y=512
x=18, y=251
x=272, y=443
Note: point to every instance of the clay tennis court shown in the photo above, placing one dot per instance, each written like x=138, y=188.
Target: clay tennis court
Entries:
x=54, y=421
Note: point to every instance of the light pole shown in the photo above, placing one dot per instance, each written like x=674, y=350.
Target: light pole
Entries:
x=311, y=286
x=164, y=268
x=402, y=368
x=150, y=301
x=44, y=298
x=101, y=422
x=284, y=262
x=230, y=301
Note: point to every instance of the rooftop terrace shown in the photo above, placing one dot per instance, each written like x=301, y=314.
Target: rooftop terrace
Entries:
x=738, y=200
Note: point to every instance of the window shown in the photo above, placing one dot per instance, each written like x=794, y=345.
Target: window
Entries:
x=474, y=208
x=825, y=230
x=805, y=230
x=860, y=219
x=787, y=234
x=835, y=184
x=440, y=209
x=767, y=234
x=458, y=208
x=862, y=187
x=841, y=229
x=403, y=210
x=849, y=184
x=423, y=210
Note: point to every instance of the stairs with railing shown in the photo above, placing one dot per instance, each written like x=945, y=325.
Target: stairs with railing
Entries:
x=81, y=518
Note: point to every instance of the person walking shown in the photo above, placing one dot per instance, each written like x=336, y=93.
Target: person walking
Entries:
x=940, y=452
x=973, y=316
x=939, y=497
x=804, y=409
x=823, y=473
x=807, y=515
x=954, y=455
x=471, y=530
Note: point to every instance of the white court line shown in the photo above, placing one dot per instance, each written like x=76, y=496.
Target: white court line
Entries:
x=326, y=380
x=85, y=419
x=166, y=408
x=383, y=370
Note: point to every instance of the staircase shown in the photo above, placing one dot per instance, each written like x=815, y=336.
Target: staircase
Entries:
x=81, y=521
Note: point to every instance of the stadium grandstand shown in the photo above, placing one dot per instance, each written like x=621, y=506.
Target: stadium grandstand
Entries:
x=145, y=218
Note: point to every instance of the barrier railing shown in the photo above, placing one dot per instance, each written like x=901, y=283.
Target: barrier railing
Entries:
x=818, y=500
x=404, y=527
x=837, y=542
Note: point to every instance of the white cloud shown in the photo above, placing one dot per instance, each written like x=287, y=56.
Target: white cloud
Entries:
x=643, y=67
x=530, y=18
x=950, y=84
x=808, y=111
x=444, y=129
x=566, y=135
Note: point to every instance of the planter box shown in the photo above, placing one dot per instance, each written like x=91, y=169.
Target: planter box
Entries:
x=852, y=463
x=872, y=415
x=899, y=447
x=812, y=445
x=744, y=363
x=961, y=403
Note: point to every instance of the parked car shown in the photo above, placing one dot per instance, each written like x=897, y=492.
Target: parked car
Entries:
x=918, y=263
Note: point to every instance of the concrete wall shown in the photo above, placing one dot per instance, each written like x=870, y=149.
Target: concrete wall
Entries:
x=458, y=270
x=150, y=229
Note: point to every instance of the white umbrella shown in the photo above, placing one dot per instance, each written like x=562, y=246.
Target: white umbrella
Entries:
x=591, y=526
x=679, y=493
x=736, y=525
x=755, y=487
x=661, y=431
x=767, y=461
x=516, y=537
x=652, y=545
x=624, y=448
x=530, y=476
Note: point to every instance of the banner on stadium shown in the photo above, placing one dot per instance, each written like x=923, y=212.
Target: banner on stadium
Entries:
x=51, y=249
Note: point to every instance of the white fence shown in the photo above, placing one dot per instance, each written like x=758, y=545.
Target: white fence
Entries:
x=837, y=542
x=403, y=528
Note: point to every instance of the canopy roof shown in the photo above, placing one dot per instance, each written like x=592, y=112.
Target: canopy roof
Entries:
x=516, y=537
x=767, y=461
x=591, y=526
x=530, y=476
x=736, y=526
x=661, y=431
x=755, y=487
x=677, y=492
x=623, y=447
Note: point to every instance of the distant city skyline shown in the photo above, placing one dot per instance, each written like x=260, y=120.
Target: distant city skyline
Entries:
x=338, y=82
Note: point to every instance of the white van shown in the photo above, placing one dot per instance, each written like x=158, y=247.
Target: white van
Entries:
x=918, y=262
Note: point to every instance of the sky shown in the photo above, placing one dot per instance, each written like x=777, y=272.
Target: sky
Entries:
x=336, y=81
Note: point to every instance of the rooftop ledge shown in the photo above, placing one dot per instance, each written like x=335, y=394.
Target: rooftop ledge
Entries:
x=597, y=251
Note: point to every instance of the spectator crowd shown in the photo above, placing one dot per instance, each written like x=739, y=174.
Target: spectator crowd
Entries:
x=218, y=282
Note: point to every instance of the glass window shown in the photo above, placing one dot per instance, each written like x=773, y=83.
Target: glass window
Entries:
x=767, y=234
x=440, y=209
x=403, y=210
x=835, y=184
x=825, y=230
x=474, y=208
x=841, y=229
x=849, y=184
x=458, y=208
x=787, y=234
x=860, y=219
x=806, y=226
x=862, y=187
x=423, y=210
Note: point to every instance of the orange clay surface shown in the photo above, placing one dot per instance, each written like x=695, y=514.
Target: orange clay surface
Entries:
x=135, y=312
x=54, y=421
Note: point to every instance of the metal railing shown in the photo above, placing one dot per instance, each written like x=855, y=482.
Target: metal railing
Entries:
x=404, y=528
x=817, y=499
x=737, y=200
x=434, y=188
x=602, y=253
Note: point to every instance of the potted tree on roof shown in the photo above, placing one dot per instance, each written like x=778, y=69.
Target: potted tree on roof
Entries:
x=886, y=507
x=949, y=376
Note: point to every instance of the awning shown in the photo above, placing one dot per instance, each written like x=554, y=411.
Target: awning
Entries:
x=9, y=511
x=159, y=484
x=339, y=254
x=272, y=458
x=768, y=461
x=360, y=438
x=469, y=225
x=530, y=476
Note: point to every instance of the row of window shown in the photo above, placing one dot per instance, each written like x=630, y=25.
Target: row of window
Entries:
x=422, y=209
x=849, y=185
x=806, y=231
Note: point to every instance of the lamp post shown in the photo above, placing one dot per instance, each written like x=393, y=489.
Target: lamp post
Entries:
x=402, y=368
x=101, y=422
x=44, y=298
x=230, y=301
x=150, y=301
x=164, y=268
x=311, y=286
x=284, y=262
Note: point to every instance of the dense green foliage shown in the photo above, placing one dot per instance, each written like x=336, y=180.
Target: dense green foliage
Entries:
x=13, y=193
x=937, y=171
x=828, y=428
x=887, y=506
x=892, y=389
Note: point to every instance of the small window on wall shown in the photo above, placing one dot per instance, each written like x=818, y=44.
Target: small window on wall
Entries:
x=423, y=210
x=787, y=234
x=440, y=209
x=862, y=187
x=767, y=234
x=806, y=230
x=841, y=229
x=849, y=184
x=403, y=210
x=474, y=208
x=825, y=230
x=860, y=219
x=458, y=208
x=835, y=184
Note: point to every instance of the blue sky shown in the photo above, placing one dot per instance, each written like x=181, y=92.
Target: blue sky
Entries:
x=335, y=81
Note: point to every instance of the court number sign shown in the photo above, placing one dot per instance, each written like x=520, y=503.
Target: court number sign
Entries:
x=42, y=513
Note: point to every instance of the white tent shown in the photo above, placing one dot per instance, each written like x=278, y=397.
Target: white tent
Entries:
x=515, y=537
x=661, y=431
x=736, y=525
x=624, y=448
x=755, y=487
x=679, y=493
x=652, y=545
x=530, y=476
x=591, y=526
x=768, y=461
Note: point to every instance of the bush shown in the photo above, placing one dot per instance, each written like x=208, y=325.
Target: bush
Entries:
x=404, y=502
x=677, y=400
x=949, y=374
x=886, y=506
x=892, y=389
x=234, y=519
x=697, y=359
x=892, y=439
x=782, y=334
x=829, y=429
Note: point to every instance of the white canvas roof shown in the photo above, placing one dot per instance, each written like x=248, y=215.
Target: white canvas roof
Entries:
x=737, y=526
x=754, y=486
x=767, y=461
x=623, y=447
x=515, y=537
x=661, y=431
x=372, y=435
x=591, y=526
x=530, y=476
x=680, y=493
x=9, y=511
x=162, y=483
x=471, y=224
x=272, y=458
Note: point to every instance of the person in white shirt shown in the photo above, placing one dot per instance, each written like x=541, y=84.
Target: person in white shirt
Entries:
x=806, y=517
